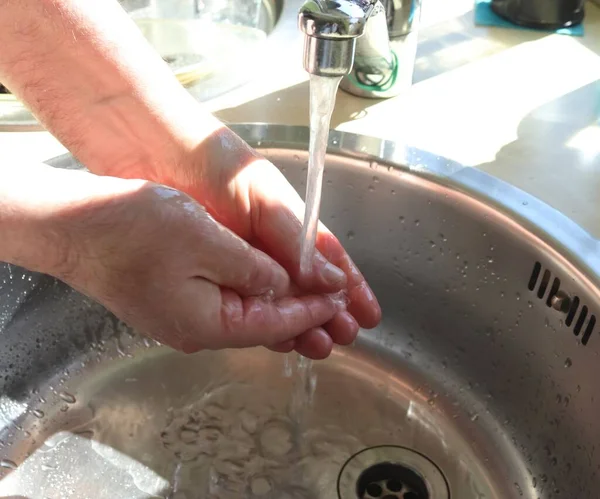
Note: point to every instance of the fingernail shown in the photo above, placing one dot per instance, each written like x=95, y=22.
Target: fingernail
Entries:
x=333, y=275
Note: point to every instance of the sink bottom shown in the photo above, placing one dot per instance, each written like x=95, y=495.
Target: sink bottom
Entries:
x=244, y=424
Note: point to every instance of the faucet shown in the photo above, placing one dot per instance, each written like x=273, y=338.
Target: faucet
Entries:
x=371, y=43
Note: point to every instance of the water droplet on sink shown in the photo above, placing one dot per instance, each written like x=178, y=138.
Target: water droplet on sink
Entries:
x=518, y=487
x=67, y=397
x=401, y=218
x=350, y=234
x=417, y=222
x=568, y=362
x=38, y=414
x=7, y=463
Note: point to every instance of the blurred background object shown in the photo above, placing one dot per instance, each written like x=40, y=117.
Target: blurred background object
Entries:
x=212, y=46
x=544, y=14
x=200, y=39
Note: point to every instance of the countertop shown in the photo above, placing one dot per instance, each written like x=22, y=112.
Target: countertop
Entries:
x=519, y=104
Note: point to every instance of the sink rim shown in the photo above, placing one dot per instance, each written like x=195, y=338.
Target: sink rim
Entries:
x=548, y=224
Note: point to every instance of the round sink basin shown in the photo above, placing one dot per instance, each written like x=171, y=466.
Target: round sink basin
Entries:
x=211, y=55
x=479, y=383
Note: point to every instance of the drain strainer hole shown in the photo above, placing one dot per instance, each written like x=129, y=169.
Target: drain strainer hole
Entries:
x=389, y=480
x=394, y=485
x=374, y=490
x=391, y=472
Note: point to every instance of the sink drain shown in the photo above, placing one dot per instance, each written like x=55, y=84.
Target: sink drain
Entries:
x=391, y=472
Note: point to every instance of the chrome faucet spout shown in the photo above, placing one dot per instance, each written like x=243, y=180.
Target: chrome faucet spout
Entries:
x=370, y=42
x=331, y=29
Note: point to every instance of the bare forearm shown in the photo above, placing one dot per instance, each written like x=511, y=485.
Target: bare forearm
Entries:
x=44, y=215
x=93, y=80
x=28, y=234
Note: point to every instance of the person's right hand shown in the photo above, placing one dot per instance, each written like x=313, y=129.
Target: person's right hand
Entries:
x=160, y=262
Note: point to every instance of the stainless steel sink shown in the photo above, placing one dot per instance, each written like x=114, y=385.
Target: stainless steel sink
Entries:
x=479, y=383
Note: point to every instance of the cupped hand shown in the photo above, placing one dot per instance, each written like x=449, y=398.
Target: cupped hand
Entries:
x=163, y=264
x=250, y=196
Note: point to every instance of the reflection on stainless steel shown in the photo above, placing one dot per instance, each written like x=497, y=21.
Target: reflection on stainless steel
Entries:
x=470, y=368
x=371, y=42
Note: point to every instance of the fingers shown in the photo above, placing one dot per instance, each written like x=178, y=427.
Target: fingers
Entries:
x=284, y=347
x=278, y=228
x=342, y=328
x=255, y=321
x=231, y=262
x=315, y=344
x=363, y=304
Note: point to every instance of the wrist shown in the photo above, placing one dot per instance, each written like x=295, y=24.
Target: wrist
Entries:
x=45, y=213
x=130, y=137
x=27, y=233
